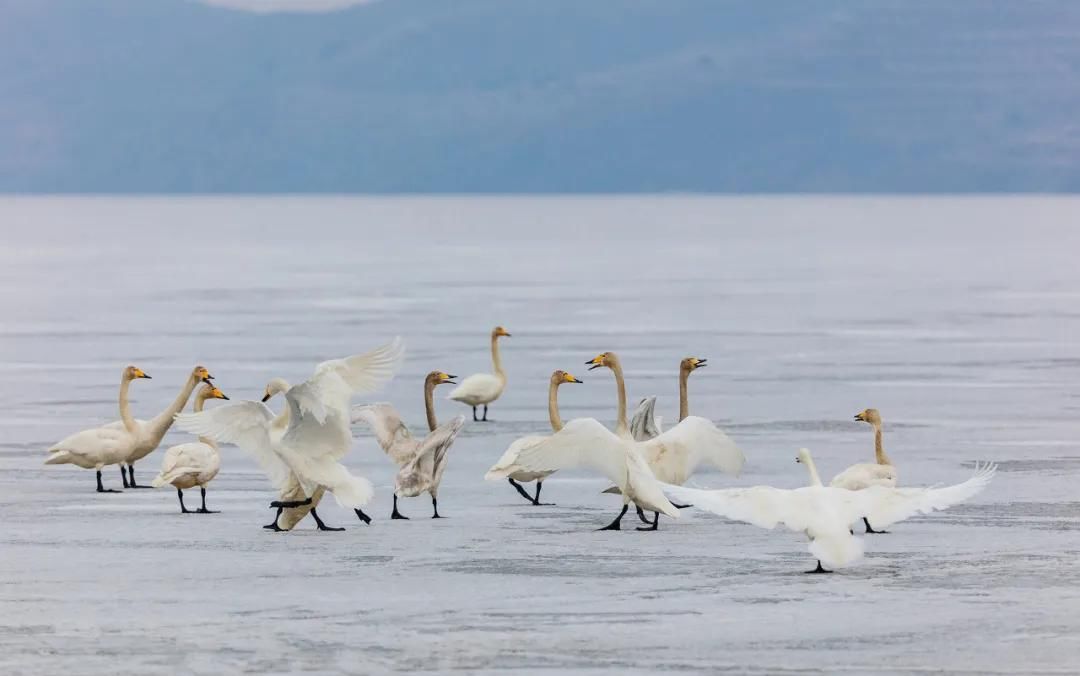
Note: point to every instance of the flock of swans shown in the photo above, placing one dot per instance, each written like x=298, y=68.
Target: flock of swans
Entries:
x=301, y=449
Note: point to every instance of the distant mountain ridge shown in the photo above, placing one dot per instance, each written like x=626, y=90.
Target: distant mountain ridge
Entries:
x=541, y=96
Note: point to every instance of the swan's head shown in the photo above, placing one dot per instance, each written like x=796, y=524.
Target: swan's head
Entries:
x=200, y=373
x=441, y=378
x=803, y=457
x=691, y=364
x=210, y=392
x=499, y=332
x=275, y=386
x=607, y=359
x=134, y=372
x=870, y=415
x=560, y=377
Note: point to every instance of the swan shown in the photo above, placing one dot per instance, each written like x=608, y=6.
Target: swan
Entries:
x=317, y=435
x=646, y=424
x=506, y=466
x=95, y=448
x=192, y=464
x=673, y=456
x=421, y=462
x=825, y=513
x=483, y=388
x=151, y=432
x=863, y=475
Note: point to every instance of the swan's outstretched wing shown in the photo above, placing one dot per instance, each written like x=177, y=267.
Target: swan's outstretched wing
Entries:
x=644, y=425
x=675, y=454
x=385, y=421
x=507, y=463
x=761, y=506
x=883, y=507
x=438, y=444
x=245, y=424
x=366, y=372
x=583, y=442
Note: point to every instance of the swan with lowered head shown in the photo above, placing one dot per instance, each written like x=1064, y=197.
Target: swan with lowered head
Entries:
x=100, y=446
x=318, y=434
x=675, y=455
x=421, y=462
x=151, y=432
x=507, y=468
x=863, y=475
x=646, y=424
x=825, y=513
x=194, y=463
x=483, y=388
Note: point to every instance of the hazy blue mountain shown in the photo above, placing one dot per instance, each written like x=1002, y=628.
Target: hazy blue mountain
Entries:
x=541, y=96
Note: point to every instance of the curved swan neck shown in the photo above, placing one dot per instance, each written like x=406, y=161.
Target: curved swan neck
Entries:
x=815, y=479
x=496, y=359
x=164, y=420
x=553, y=406
x=879, y=448
x=199, y=401
x=429, y=403
x=684, y=405
x=622, y=427
x=125, y=407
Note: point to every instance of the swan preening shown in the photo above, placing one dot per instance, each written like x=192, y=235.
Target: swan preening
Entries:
x=881, y=472
x=507, y=466
x=483, y=388
x=421, y=462
x=194, y=463
x=317, y=435
x=826, y=513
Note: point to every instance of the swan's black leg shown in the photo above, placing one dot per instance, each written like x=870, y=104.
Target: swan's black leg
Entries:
x=273, y=526
x=183, y=509
x=484, y=419
x=319, y=522
x=819, y=569
x=474, y=418
x=536, y=500
x=435, y=506
x=102, y=489
x=871, y=531
x=617, y=523
x=518, y=487
x=680, y=506
x=203, y=509
x=123, y=476
x=131, y=478
x=363, y=517
x=290, y=504
x=396, y=514
x=655, y=522
x=641, y=514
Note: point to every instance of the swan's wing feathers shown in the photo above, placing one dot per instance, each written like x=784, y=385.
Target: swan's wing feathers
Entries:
x=583, y=442
x=366, y=372
x=885, y=506
x=308, y=399
x=643, y=425
x=761, y=506
x=385, y=421
x=245, y=424
x=439, y=441
x=696, y=440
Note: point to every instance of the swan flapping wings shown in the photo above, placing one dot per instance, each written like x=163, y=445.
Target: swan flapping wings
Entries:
x=245, y=424
x=338, y=380
x=645, y=424
x=675, y=454
x=391, y=432
x=583, y=442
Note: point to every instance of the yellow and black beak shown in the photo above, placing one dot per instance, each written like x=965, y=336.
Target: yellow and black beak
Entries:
x=861, y=417
x=595, y=362
x=218, y=394
x=139, y=373
x=700, y=363
x=449, y=379
x=266, y=398
x=572, y=379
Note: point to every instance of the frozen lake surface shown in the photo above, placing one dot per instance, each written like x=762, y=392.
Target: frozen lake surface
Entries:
x=958, y=318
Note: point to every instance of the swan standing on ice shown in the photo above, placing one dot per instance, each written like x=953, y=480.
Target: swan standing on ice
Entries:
x=95, y=448
x=483, y=388
x=646, y=424
x=421, y=463
x=318, y=434
x=192, y=464
x=151, y=432
x=507, y=464
x=863, y=475
x=825, y=513
x=673, y=456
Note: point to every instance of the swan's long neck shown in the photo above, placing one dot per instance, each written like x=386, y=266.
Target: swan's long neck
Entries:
x=553, y=406
x=496, y=359
x=622, y=427
x=429, y=404
x=125, y=407
x=199, y=401
x=164, y=420
x=684, y=405
x=879, y=448
x=815, y=478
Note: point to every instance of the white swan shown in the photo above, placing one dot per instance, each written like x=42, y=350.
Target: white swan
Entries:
x=194, y=463
x=151, y=432
x=95, y=448
x=866, y=474
x=421, y=462
x=674, y=456
x=646, y=424
x=483, y=388
x=318, y=433
x=506, y=467
x=825, y=514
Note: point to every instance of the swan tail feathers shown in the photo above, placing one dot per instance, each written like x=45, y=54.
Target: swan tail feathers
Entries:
x=58, y=458
x=837, y=551
x=614, y=490
x=353, y=492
